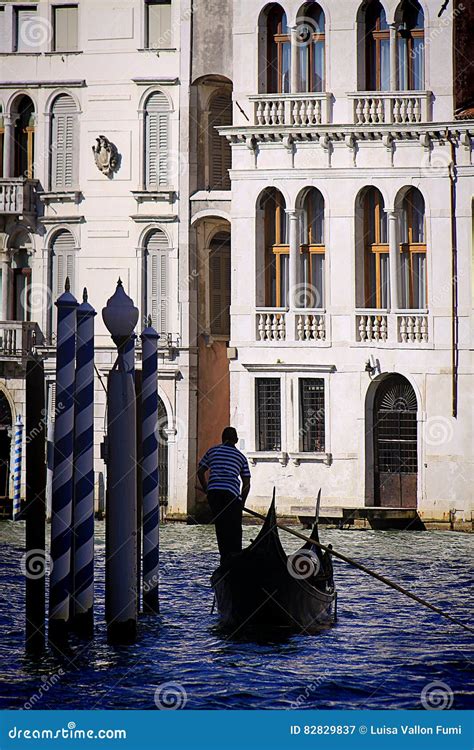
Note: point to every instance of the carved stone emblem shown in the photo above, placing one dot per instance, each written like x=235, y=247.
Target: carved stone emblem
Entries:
x=106, y=156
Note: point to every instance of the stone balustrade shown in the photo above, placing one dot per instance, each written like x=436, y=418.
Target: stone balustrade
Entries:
x=271, y=324
x=310, y=325
x=300, y=110
x=397, y=108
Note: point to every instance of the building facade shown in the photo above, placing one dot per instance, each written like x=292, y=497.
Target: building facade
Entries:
x=351, y=215
x=287, y=190
x=93, y=187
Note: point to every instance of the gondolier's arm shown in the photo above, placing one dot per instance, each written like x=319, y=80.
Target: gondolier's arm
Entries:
x=245, y=489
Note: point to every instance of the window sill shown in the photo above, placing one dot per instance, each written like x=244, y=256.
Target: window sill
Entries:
x=211, y=195
x=309, y=456
x=157, y=49
x=64, y=52
x=259, y=456
x=62, y=196
x=167, y=194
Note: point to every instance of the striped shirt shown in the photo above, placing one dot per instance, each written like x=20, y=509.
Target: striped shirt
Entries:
x=227, y=466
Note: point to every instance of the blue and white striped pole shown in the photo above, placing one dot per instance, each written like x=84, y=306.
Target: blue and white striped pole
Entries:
x=150, y=478
x=83, y=515
x=62, y=494
x=17, y=468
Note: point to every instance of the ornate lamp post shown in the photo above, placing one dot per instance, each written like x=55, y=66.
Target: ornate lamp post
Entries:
x=120, y=317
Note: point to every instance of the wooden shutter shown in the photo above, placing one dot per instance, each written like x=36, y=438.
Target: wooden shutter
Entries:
x=219, y=282
x=220, y=153
x=65, y=28
x=156, y=141
x=62, y=255
x=157, y=279
x=159, y=24
x=63, y=143
x=26, y=22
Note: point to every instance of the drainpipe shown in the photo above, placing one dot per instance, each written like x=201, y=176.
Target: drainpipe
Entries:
x=454, y=277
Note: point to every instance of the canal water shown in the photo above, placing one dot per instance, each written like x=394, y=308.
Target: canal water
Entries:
x=385, y=651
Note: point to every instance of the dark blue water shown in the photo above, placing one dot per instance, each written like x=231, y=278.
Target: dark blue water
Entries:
x=384, y=652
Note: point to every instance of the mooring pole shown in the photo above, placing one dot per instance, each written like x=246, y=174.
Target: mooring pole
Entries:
x=35, y=507
x=150, y=479
x=83, y=515
x=138, y=412
x=17, y=468
x=62, y=492
x=120, y=317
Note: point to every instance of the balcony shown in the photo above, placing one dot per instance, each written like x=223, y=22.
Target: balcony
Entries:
x=271, y=324
x=403, y=328
x=310, y=325
x=18, y=339
x=17, y=195
x=390, y=108
x=296, y=110
x=300, y=326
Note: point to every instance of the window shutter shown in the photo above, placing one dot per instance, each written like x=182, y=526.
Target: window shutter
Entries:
x=220, y=152
x=219, y=282
x=62, y=252
x=26, y=40
x=157, y=279
x=163, y=150
x=63, y=143
x=159, y=24
x=156, y=141
x=65, y=28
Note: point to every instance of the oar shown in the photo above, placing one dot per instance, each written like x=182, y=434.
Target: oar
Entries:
x=369, y=572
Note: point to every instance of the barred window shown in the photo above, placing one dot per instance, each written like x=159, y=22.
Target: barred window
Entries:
x=268, y=414
x=312, y=415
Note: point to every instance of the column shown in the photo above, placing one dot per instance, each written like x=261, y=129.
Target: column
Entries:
x=392, y=216
x=8, y=139
x=5, y=267
x=294, y=60
x=293, y=259
x=393, y=57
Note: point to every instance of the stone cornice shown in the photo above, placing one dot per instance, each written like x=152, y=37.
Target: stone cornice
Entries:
x=42, y=84
x=252, y=135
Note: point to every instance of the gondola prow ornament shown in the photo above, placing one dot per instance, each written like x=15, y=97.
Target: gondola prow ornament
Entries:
x=120, y=317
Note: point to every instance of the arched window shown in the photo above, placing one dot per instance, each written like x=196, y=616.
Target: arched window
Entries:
x=19, y=291
x=376, y=266
x=310, y=38
x=156, y=141
x=62, y=253
x=155, y=279
x=276, y=249
x=219, y=284
x=64, y=143
x=278, y=59
x=413, y=251
x=220, y=154
x=410, y=38
x=24, y=138
x=312, y=249
x=377, y=48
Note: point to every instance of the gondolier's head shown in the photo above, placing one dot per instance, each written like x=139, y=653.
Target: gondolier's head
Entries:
x=229, y=435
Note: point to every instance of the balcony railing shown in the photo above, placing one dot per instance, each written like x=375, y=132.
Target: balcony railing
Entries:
x=299, y=110
x=310, y=325
x=18, y=338
x=271, y=323
x=400, y=328
x=17, y=195
x=390, y=107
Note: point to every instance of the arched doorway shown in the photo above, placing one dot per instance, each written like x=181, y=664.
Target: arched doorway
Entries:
x=395, y=443
x=162, y=453
x=5, y=444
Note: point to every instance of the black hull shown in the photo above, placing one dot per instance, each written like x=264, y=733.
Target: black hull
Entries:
x=261, y=588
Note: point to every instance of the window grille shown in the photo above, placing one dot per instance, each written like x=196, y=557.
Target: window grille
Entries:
x=268, y=414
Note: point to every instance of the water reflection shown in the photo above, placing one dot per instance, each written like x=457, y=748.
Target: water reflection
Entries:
x=381, y=654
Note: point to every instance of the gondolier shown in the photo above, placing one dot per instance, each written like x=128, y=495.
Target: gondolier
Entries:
x=227, y=489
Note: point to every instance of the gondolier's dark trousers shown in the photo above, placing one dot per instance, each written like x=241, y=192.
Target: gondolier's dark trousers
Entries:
x=227, y=516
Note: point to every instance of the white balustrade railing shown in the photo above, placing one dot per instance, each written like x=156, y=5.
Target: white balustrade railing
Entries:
x=271, y=324
x=371, y=326
x=16, y=195
x=389, y=107
x=301, y=110
x=310, y=325
x=412, y=328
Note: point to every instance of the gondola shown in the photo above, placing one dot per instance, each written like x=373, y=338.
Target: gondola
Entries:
x=263, y=588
